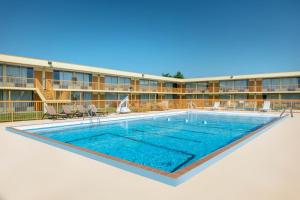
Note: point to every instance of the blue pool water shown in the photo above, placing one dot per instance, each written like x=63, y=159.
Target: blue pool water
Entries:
x=166, y=143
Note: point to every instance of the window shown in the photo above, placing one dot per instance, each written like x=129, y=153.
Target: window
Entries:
x=67, y=76
x=152, y=97
x=169, y=85
x=3, y=95
x=87, y=96
x=19, y=75
x=75, y=96
x=190, y=96
x=240, y=96
x=111, y=96
x=62, y=75
x=202, y=96
x=290, y=96
x=144, y=97
x=241, y=84
x=1, y=73
x=191, y=85
x=82, y=80
x=144, y=83
x=17, y=95
x=289, y=84
x=226, y=84
x=153, y=83
x=169, y=96
x=202, y=85
x=63, y=78
x=225, y=96
x=56, y=75
x=79, y=77
x=122, y=96
x=111, y=80
x=270, y=96
x=124, y=81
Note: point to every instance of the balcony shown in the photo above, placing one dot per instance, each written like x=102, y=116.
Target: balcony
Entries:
x=18, y=82
x=117, y=87
x=170, y=90
x=196, y=90
x=281, y=88
x=236, y=89
x=145, y=88
x=79, y=85
x=66, y=84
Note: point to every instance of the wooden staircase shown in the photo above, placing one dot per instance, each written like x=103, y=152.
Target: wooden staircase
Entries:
x=45, y=94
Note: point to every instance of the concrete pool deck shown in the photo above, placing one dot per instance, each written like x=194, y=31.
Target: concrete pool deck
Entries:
x=265, y=168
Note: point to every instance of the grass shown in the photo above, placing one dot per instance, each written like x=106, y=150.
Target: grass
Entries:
x=20, y=116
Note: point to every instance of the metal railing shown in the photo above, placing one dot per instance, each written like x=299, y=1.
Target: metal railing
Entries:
x=29, y=110
x=23, y=82
x=280, y=88
x=20, y=82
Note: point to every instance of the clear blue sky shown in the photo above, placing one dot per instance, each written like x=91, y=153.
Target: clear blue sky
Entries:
x=199, y=38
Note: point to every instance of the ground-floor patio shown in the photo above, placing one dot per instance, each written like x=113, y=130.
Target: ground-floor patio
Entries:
x=267, y=167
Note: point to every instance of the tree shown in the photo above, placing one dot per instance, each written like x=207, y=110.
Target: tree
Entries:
x=178, y=75
x=166, y=74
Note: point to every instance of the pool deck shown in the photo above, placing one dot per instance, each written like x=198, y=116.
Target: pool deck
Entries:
x=265, y=168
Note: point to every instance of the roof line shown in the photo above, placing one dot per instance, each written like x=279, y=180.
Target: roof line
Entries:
x=85, y=68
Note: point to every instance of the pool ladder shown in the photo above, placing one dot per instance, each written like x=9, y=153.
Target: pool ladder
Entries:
x=284, y=110
x=91, y=118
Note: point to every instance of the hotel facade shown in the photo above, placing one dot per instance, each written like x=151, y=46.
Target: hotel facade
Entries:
x=30, y=79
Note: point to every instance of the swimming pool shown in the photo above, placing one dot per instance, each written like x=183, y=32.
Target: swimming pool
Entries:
x=167, y=145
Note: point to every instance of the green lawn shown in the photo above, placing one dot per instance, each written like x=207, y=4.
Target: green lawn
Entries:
x=20, y=116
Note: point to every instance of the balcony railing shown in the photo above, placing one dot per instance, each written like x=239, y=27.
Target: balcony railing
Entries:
x=196, y=90
x=29, y=110
x=170, y=90
x=23, y=82
x=279, y=88
x=237, y=89
x=20, y=82
x=117, y=87
x=66, y=84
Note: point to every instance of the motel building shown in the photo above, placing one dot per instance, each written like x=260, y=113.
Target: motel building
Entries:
x=32, y=80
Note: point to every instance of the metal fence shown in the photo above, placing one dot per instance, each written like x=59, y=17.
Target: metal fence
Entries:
x=30, y=110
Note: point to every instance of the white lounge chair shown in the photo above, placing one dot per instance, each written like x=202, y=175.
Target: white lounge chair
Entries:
x=216, y=105
x=266, y=107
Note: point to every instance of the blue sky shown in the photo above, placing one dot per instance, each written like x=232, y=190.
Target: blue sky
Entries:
x=199, y=38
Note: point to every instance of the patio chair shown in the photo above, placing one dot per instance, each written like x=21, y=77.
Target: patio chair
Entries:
x=81, y=111
x=266, y=107
x=68, y=111
x=94, y=111
x=51, y=113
